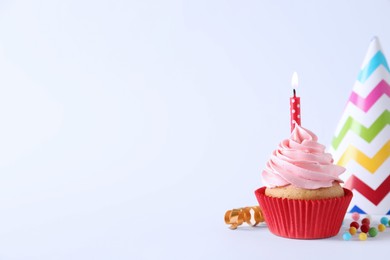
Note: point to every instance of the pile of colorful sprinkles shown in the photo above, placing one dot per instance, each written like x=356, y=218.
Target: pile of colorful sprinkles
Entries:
x=364, y=227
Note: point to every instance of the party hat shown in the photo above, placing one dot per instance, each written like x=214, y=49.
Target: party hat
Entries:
x=362, y=140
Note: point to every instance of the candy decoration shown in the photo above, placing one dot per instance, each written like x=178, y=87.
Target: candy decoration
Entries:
x=354, y=224
x=352, y=230
x=366, y=221
x=373, y=232
x=347, y=236
x=384, y=220
x=381, y=227
x=362, y=236
x=236, y=217
x=364, y=228
x=362, y=138
x=355, y=216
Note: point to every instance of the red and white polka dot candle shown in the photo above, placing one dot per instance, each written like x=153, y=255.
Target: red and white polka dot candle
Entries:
x=295, y=104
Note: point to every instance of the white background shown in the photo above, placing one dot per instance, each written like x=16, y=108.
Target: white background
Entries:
x=128, y=128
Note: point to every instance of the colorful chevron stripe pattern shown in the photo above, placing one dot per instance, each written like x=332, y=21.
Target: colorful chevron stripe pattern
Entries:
x=370, y=164
x=362, y=141
x=376, y=61
x=366, y=103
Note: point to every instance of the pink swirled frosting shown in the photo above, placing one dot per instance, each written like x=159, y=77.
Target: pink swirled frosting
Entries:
x=302, y=162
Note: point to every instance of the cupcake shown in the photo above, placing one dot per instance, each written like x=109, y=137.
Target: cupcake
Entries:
x=302, y=197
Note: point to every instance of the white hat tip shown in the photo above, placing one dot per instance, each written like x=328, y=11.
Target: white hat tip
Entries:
x=375, y=44
x=374, y=38
x=373, y=48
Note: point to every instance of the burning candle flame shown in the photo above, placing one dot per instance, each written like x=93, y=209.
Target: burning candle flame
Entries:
x=294, y=80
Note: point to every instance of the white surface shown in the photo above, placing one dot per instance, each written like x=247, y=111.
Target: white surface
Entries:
x=129, y=128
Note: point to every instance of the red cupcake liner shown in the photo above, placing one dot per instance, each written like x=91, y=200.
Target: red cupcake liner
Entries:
x=304, y=219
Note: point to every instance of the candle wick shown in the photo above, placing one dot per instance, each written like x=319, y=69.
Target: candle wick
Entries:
x=294, y=91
